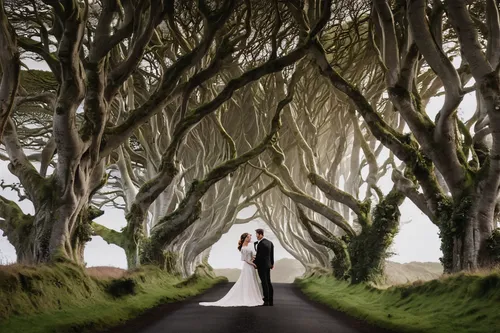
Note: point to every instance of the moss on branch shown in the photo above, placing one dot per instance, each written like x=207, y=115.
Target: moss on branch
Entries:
x=18, y=228
x=341, y=263
x=368, y=250
x=110, y=236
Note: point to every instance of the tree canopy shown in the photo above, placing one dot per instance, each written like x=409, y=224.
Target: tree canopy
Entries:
x=184, y=113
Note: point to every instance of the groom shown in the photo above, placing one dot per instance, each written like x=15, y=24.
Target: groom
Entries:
x=264, y=260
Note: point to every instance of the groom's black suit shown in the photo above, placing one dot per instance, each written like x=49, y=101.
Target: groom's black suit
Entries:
x=264, y=260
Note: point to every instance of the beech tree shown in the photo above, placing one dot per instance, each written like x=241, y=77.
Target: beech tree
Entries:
x=233, y=128
x=92, y=50
x=452, y=165
x=230, y=196
x=189, y=208
x=358, y=227
x=283, y=52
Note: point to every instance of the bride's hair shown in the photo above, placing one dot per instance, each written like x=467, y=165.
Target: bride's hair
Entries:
x=242, y=240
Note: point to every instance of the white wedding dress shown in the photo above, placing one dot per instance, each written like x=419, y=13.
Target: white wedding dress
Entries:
x=246, y=291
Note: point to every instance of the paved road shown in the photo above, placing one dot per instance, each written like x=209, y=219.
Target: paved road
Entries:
x=291, y=313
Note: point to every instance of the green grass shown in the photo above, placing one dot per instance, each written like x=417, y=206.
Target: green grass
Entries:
x=459, y=303
x=63, y=298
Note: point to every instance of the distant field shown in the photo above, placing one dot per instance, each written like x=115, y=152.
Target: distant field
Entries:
x=397, y=273
x=106, y=272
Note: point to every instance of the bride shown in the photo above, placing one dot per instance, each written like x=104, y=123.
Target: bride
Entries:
x=245, y=291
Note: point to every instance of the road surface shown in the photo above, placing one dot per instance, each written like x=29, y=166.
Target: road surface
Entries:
x=292, y=313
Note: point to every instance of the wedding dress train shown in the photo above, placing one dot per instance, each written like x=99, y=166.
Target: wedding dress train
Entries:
x=246, y=291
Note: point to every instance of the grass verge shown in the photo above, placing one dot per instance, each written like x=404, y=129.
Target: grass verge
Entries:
x=460, y=303
x=64, y=298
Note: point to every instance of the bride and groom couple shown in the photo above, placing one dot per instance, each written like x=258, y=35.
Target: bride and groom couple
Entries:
x=245, y=291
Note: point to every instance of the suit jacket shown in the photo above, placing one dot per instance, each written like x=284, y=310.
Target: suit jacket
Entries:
x=265, y=254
